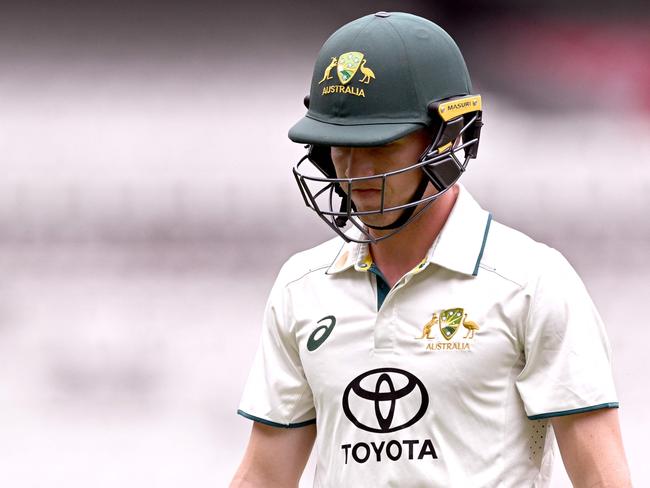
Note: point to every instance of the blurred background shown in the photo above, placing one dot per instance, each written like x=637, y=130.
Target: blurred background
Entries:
x=147, y=202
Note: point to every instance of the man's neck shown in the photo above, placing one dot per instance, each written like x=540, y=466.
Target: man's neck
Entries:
x=400, y=253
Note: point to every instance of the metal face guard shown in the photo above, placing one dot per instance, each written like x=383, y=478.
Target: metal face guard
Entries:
x=329, y=196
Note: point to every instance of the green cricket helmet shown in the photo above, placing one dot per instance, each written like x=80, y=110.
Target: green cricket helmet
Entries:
x=376, y=80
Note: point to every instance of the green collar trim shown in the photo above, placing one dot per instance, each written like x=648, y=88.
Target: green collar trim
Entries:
x=382, y=285
x=485, y=235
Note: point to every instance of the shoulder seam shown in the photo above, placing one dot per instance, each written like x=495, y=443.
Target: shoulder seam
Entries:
x=308, y=272
x=335, y=257
x=494, y=271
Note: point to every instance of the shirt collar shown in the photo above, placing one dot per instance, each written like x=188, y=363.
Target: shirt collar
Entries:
x=351, y=254
x=458, y=247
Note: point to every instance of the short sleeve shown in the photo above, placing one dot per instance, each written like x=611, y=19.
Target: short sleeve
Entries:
x=567, y=368
x=277, y=392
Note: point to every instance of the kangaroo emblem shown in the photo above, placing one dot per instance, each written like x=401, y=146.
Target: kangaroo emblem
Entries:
x=328, y=70
x=426, y=331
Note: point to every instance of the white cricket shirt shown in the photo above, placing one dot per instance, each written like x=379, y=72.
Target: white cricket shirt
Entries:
x=445, y=380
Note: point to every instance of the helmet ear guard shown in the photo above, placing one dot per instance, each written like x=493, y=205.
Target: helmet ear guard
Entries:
x=461, y=122
x=321, y=157
x=460, y=116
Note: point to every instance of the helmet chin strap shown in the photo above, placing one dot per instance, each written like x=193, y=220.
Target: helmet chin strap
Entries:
x=408, y=212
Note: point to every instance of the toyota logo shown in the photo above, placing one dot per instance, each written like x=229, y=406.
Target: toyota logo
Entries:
x=376, y=400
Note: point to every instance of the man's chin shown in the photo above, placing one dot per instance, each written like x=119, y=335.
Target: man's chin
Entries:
x=378, y=221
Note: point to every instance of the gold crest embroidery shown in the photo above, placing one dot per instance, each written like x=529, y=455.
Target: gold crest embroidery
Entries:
x=448, y=322
x=347, y=65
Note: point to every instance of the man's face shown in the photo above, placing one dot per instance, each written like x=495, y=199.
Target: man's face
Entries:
x=354, y=162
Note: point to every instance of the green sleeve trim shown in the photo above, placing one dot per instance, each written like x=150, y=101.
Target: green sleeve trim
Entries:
x=275, y=424
x=571, y=412
x=485, y=235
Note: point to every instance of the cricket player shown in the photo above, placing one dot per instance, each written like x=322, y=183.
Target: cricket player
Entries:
x=426, y=345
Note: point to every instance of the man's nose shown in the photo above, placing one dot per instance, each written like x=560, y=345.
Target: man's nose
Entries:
x=360, y=163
